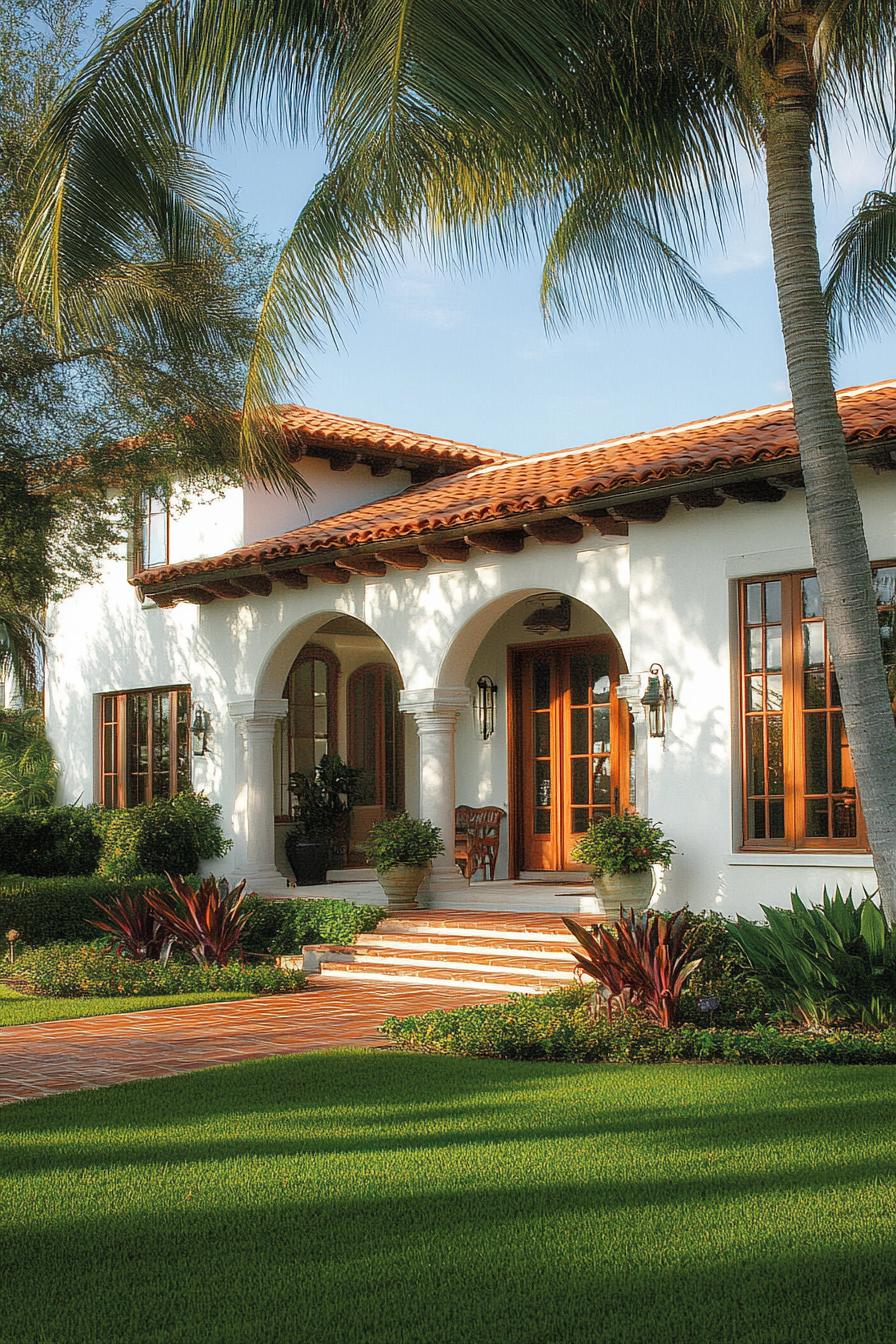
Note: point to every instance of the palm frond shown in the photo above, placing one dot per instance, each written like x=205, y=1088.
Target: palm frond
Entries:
x=860, y=290
x=22, y=640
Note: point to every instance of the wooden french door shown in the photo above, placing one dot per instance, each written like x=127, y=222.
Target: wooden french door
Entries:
x=570, y=735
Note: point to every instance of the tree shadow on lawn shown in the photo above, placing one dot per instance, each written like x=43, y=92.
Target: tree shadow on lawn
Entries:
x=532, y=1264
x=345, y=1103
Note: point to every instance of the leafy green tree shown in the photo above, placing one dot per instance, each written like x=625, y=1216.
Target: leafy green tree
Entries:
x=125, y=403
x=606, y=134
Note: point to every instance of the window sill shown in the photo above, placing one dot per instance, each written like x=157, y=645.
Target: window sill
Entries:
x=810, y=858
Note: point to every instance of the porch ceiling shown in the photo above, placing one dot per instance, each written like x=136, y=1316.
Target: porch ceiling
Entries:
x=748, y=457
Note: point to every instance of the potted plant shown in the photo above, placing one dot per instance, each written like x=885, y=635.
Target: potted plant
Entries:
x=401, y=849
x=322, y=808
x=621, y=852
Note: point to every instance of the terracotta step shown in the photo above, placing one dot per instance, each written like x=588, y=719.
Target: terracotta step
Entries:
x=480, y=945
x=514, y=983
x=542, y=967
x=431, y=927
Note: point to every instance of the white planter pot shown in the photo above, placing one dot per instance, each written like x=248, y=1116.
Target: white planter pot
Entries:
x=401, y=885
x=618, y=893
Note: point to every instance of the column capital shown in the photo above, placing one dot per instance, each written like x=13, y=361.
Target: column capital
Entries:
x=434, y=702
x=257, y=713
x=631, y=688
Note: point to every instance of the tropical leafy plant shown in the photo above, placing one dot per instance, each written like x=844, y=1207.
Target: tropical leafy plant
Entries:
x=623, y=843
x=134, y=928
x=207, y=921
x=834, y=962
x=642, y=961
x=402, y=840
x=28, y=771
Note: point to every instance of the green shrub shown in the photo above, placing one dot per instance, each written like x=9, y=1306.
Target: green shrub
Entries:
x=49, y=842
x=28, y=771
x=624, y=842
x=724, y=977
x=561, y=1026
x=46, y=909
x=287, y=926
x=828, y=963
x=170, y=835
x=63, y=970
x=402, y=839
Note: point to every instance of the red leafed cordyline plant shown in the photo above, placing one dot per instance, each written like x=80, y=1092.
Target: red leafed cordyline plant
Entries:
x=133, y=927
x=207, y=920
x=642, y=961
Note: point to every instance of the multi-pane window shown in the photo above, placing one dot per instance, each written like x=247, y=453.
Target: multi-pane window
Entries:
x=375, y=735
x=152, y=533
x=144, y=745
x=799, y=786
x=309, y=730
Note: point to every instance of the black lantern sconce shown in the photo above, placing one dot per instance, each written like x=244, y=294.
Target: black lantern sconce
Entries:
x=657, y=699
x=199, y=731
x=486, y=699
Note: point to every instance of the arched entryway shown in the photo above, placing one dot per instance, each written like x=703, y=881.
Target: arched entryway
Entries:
x=561, y=754
x=341, y=695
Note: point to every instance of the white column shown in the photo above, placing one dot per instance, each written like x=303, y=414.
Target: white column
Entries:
x=631, y=688
x=257, y=721
x=435, y=711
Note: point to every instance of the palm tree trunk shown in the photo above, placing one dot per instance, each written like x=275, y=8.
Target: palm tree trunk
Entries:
x=836, y=530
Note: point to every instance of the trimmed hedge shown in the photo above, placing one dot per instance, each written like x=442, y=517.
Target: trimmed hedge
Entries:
x=49, y=909
x=560, y=1026
x=171, y=835
x=49, y=842
x=72, y=970
x=286, y=926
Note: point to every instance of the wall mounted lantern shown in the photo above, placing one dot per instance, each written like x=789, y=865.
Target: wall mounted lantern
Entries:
x=199, y=731
x=657, y=699
x=486, y=699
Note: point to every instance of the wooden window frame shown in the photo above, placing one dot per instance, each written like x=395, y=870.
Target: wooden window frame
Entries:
x=308, y=653
x=113, y=776
x=144, y=504
x=381, y=670
x=793, y=712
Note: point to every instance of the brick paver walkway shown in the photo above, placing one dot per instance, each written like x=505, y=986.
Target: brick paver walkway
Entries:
x=49, y=1057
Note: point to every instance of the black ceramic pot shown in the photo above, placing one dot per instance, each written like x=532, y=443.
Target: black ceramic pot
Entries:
x=309, y=860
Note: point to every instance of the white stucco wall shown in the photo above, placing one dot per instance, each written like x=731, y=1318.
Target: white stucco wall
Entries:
x=267, y=514
x=666, y=595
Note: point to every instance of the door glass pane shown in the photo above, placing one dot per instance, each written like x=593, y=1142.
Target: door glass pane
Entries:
x=755, y=693
x=580, y=782
x=579, y=733
x=542, y=783
x=754, y=650
x=755, y=757
x=579, y=678
x=773, y=648
x=774, y=694
x=775, y=755
x=773, y=600
x=600, y=723
x=580, y=819
x=816, y=817
x=541, y=684
x=776, y=818
x=542, y=734
x=601, y=781
x=756, y=815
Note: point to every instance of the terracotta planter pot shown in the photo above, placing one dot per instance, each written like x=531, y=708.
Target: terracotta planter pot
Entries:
x=401, y=885
x=617, y=893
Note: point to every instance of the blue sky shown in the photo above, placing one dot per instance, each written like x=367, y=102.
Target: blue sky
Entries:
x=470, y=358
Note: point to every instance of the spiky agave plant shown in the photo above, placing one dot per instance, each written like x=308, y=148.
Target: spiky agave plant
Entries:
x=642, y=960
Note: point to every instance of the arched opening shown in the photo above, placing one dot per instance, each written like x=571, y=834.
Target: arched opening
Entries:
x=561, y=754
x=341, y=690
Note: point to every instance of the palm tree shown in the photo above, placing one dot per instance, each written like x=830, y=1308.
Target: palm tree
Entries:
x=605, y=134
x=21, y=648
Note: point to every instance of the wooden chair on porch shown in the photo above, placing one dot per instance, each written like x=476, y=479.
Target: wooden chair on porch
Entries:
x=477, y=835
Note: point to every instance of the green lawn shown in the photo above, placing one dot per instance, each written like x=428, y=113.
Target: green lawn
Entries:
x=348, y=1197
x=17, y=1009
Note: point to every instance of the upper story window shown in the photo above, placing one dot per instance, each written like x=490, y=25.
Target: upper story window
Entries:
x=144, y=748
x=152, y=530
x=799, y=786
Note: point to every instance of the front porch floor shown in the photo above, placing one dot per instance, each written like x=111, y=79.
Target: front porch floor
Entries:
x=526, y=896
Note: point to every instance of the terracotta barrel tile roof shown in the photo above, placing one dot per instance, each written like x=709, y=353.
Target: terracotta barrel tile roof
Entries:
x=529, y=485
x=313, y=429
